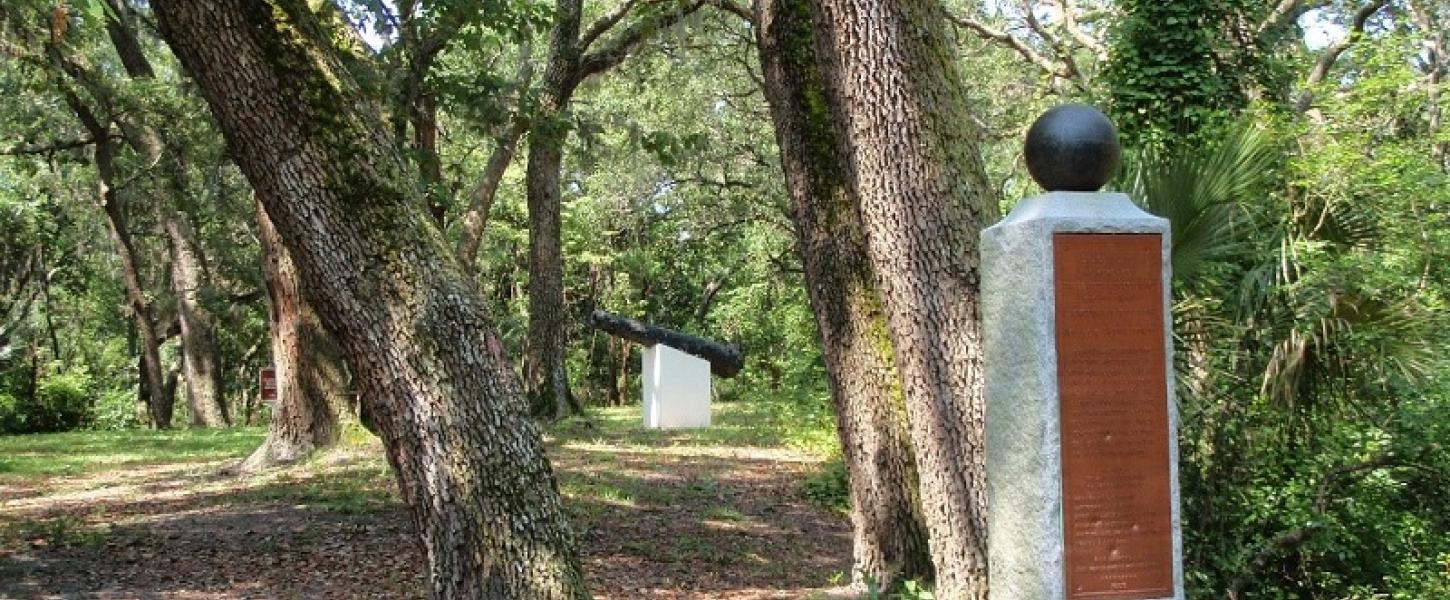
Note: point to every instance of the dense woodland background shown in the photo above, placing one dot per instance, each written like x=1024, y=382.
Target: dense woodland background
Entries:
x=1298, y=148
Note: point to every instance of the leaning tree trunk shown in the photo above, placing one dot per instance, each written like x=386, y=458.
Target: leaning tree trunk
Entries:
x=198, y=336
x=158, y=406
x=889, y=541
x=481, y=196
x=470, y=463
x=911, y=150
x=312, y=391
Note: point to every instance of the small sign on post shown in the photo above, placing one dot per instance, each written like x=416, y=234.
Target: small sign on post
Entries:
x=269, y=384
x=1082, y=471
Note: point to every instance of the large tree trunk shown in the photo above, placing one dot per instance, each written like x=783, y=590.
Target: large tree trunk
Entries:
x=911, y=151
x=469, y=461
x=545, y=374
x=312, y=391
x=200, y=365
x=890, y=542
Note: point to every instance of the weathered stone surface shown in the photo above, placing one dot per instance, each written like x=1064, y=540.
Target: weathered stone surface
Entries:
x=1024, y=458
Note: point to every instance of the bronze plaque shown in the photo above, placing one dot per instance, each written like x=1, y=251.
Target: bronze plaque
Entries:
x=1117, y=501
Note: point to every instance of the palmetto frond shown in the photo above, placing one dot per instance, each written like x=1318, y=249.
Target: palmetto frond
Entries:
x=1203, y=192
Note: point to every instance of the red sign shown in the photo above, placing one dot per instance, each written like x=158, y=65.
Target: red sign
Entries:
x=1112, y=372
x=269, y=384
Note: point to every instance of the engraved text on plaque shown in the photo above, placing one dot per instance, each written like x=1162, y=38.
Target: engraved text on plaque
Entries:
x=1117, y=514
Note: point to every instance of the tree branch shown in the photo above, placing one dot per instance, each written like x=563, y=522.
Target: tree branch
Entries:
x=986, y=32
x=1286, y=11
x=1061, y=50
x=634, y=36
x=1332, y=53
x=605, y=22
x=1069, y=22
x=52, y=146
x=734, y=8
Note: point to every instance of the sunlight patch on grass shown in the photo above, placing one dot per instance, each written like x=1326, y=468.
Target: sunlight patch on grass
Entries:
x=84, y=452
x=760, y=424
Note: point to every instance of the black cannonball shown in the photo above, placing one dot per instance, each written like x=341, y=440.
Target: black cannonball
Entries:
x=1072, y=148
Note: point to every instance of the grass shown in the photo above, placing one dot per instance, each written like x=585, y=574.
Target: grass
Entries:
x=760, y=424
x=357, y=489
x=666, y=500
x=363, y=483
x=85, y=452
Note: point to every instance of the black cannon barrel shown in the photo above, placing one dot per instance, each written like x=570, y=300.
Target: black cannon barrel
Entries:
x=724, y=359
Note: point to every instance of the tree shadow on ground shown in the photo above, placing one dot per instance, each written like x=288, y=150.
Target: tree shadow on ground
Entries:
x=654, y=523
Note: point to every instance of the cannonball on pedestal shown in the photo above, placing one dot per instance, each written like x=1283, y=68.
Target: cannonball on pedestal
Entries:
x=1072, y=148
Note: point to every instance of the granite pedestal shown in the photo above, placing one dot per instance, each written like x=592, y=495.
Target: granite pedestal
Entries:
x=1080, y=419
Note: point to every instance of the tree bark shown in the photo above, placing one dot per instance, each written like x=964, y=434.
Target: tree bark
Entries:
x=483, y=192
x=889, y=539
x=481, y=196
x=470, y=464
x=312, y=390
x=200, y=365
x=1427, y=17
x=912, y=159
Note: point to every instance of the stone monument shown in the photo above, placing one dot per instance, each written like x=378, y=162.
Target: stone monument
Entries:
x=1082, y=469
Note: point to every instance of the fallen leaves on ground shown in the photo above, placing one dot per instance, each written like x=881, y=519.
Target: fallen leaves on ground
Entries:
x=667, y=522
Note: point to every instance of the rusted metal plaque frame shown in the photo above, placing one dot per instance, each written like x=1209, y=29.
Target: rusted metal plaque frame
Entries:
x=1112, y=381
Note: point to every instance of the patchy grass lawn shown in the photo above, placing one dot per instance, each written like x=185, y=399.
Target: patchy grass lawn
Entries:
x=27, y=457
x=702, y=514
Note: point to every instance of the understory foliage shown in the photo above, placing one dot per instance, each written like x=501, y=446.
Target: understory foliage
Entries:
x=1308, y=317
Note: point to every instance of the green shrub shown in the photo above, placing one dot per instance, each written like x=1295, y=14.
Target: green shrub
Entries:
x=62, y=403
x=10, y=421
x=115, y=410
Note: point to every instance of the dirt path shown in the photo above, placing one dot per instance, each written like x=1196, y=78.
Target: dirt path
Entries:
x=655, y=522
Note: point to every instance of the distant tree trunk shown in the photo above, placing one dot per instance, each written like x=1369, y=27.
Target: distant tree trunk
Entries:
x=470, y=463
x=200, y=365
x=158, y=406
x=430, y=165
x=545, y=377
x=901, y=113
x=890, y=541
x=545, y=374
x=483, y=192
x=312, y=390
x=481, y=196
x=1436, y=64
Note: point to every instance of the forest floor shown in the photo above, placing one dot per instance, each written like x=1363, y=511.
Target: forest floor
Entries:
x=708, y=514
